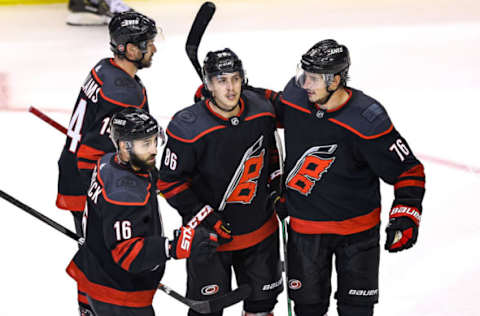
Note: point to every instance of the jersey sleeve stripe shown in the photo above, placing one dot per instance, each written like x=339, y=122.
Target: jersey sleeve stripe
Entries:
x=122, y=248
x=196, y=137
x=127, y=262
x=176, y=191
x=71, y=202
x=351, y=129
x=409, y=183
x=90, y=153
x=85, y=165
x=110, y=295
x=121, y=103
x=295, y=106
x=417, y=171
x=164, y=185
x=346, y=227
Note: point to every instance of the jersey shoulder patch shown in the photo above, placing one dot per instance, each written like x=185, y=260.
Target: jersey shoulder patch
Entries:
x=364, y=116
x=257, y=105
x=118, y=87
x=122, y=187
x=295, y=97
x=191, y=123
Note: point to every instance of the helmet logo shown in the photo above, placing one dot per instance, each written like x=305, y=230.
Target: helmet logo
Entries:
x=121, y=47
x=119, y=122
x=335, y=50
x=294, y=284
x=225, y=64
x=129, y=22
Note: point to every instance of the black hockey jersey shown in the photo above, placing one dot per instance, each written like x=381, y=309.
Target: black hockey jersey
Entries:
x=203, y=153
x=123, y=257
x=106, y=90
x=334, y=159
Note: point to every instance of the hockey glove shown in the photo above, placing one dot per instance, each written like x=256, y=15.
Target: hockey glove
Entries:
x=215, y=222
x=402, y=229
x=202, y=93
x=190, y=242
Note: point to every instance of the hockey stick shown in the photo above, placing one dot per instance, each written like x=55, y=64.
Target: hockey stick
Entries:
x=203, y=307
x=278, y=141
x=203, y=17
x=47, y=119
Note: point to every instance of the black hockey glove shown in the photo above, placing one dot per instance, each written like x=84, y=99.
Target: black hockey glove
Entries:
x=217, y=223
x=202, y=93
x=402, y=229
x=212, y=220
x=188, y=242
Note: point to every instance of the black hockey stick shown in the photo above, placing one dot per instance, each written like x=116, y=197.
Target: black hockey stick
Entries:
x=203, y=17
x=278, y=142
x=41, y=217
x=203, y=307
x=213, y=305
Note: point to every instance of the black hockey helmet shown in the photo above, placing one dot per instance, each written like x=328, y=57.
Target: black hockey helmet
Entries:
x=327, y=57
x=130, y=27
x=132, y=123
x=221, y=62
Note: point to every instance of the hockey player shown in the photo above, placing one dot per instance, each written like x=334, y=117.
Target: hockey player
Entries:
x=124, y=254
x=221, y=154
x=339, y=142
x=111, y=86
x=94, y=12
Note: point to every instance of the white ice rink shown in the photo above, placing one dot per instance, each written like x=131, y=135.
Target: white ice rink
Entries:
x=420, y=59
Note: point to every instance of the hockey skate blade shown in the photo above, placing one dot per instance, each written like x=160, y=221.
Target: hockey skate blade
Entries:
x=87, y=19
x=217, y=304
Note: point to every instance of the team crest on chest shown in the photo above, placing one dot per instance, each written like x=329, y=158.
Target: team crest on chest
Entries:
x=310, y=167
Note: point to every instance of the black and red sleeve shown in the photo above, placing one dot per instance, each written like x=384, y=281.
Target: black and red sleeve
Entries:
x=177, y=168
x=392, y=159
x=129, y=249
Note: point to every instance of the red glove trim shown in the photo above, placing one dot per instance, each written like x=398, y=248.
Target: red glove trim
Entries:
x=409, y=211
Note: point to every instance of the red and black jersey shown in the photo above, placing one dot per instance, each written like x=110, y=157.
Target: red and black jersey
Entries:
x=334, y=159
x=106, y=90
x=203, y=153
x=123, y=257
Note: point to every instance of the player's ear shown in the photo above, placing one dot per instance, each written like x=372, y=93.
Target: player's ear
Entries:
x=335, y=82
x=131, y=50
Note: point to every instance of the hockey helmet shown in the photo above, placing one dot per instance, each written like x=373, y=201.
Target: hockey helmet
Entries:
x=130, y=27
x=221, y=62
x=328, y=58
x=133, y=123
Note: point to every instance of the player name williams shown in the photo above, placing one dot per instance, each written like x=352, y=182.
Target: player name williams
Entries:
x=91, y=88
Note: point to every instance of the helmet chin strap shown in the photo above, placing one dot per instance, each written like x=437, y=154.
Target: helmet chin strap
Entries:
x=137, y=63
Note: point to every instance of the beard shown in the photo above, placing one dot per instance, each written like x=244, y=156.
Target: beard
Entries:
x=144, y=165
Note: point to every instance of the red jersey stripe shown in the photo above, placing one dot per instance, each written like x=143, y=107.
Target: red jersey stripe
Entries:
x=196, y=137
x=251, y=239
x=90, y=153
x=110, y=295
x=295, y=106
x=351, y=129
x=409, y=183
x=346, y=227
x=176, y=191
x=259, y=115
x=122, y=248
x=132, y=255
x=71, y=202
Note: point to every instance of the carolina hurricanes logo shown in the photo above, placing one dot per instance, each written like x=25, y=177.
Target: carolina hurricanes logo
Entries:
x=294, y=284
x=210, y=289
x=243, y=186
x=310, y=167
